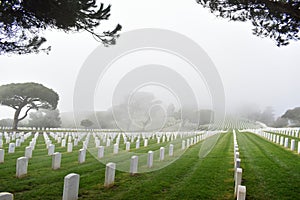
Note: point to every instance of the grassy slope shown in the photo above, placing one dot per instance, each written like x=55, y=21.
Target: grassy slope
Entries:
x=269, y=171
x=187, y=178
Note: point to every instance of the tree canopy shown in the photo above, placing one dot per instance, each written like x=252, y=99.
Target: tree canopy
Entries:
x=21, y=22
x=45, y=119
x=293, y=115
x=27, y=96
x=279, y=20
x=86, y=123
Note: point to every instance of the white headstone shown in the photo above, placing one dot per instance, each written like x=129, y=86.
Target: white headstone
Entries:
x=281, y=140
x=11, y=148
x=286, y=142
x=28, y=152
x=162, y=153
x=145, y=142
x=110, y=174
x=51, y=149
x=238, y=179
x=81, y=156
x=134, y=165
x=299, y=147
x=127, y=146
x=70, y=147
x=158, y=140
x=292, y=144
x=116, y=148
x=237, y=163
x=171, y=150
x=100, y=152
x=183, y=145
x=241, y=194
x=18, y=142
x=63, y=143
x=150, y=159
x=6, y=196
x=1, y=143
x=21, y=167
x=56, y=160
x=137, y=144
x=71, y=187
x=2, y=152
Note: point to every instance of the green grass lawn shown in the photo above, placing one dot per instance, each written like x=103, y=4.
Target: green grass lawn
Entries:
x=189, y=177
x=269, y=170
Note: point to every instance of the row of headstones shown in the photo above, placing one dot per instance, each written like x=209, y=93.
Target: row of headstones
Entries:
x=185, y=143
x=239, y=189
x=63, y=138
x=22, y=162
x=293, y=132
x=281, y=140
x=19, y=138
x=108, y=138
x=59, y=138
x=11, y=148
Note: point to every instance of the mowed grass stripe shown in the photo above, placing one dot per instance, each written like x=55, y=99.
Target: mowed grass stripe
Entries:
x=269, y=172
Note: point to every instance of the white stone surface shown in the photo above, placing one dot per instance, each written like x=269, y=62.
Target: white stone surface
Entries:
x=100, y=152
x=56, y=160
x=241, y=194
x=134, y=165
x=81, y=155
x=6, y=196
x=286, y=142
x=21, y=167
x=292, y=144
x=2, y=154
x=238, y=179
x=18, y=142
x=51, y=149
x=11, y=148
x=171, y=150
x=145, y=142
x=71, y=187
x=28, y=152
x=127, y=148
x=137, y=144
x=299, y=147
x=162, y=153
x=110, y=174
x=63, y=143
x=116, y=149
x=183, y=145
x=70, y=147
x=150, y=159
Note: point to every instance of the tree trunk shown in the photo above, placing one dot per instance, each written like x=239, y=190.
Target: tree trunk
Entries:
x=16, y=119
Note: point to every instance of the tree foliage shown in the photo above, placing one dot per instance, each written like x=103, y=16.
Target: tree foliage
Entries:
x=27, y=96
x=280, y=122
x=293, y=115
x=86, y=123
x=277, y=19
x=22, y=21
x=45, y=119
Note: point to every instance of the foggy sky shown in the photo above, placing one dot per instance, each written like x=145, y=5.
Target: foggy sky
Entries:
x=253, y=70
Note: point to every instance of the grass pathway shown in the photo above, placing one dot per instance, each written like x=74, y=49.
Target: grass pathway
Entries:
x=269, y=171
